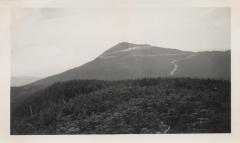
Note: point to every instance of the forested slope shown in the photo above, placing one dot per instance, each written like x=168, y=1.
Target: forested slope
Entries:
x=150, y=105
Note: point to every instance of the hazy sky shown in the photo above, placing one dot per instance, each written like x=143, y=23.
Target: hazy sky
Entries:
x=48, y=41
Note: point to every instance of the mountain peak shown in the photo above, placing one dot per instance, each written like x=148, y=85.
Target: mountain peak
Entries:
x=121, y=46
x=124, y=49
x=125, y=43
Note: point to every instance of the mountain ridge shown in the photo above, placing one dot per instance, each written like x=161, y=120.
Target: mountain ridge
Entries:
x=107, y=62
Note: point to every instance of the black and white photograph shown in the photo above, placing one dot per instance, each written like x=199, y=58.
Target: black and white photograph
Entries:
x=120, y=70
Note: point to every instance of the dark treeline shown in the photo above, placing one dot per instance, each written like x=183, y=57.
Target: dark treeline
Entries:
x=150, y=105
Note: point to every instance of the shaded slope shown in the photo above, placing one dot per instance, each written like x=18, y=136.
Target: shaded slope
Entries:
x=206, y=65
x=123, y=61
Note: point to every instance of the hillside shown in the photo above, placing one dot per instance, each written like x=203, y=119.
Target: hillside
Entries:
x=149, y=105
x=131, y=61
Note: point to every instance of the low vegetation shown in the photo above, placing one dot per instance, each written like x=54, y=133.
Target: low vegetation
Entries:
x=146, y=106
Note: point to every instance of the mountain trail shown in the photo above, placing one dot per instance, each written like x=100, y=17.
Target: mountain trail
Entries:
x=174, y=62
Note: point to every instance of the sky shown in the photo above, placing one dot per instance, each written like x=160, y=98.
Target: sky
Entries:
x=48, y=41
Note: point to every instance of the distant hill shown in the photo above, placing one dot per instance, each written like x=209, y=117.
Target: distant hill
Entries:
x=20, y=81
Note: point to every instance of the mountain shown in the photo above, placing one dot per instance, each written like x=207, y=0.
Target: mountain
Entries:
x=130, y=61
x=20, y=81
x=133, y=61
x=130, y=88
